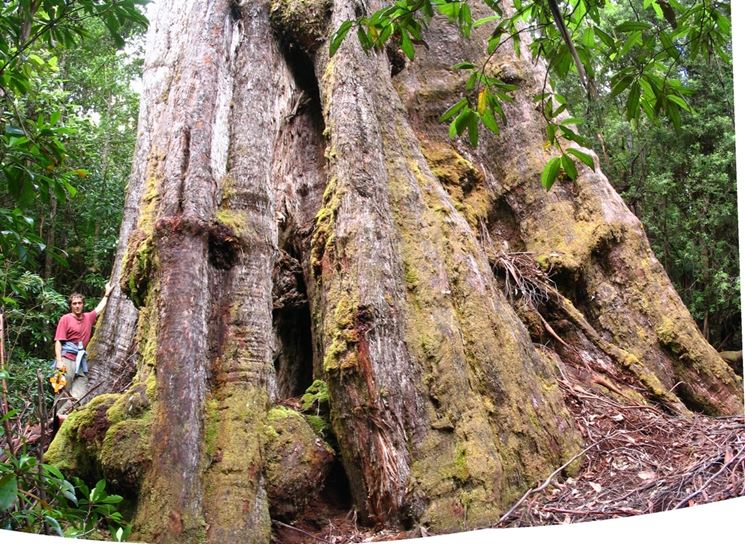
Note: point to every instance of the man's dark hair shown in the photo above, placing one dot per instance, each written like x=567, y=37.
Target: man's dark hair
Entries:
x=74, y=296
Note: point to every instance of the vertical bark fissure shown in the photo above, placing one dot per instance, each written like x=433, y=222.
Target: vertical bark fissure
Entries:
x=171, y=508
x=471, y=348
x=113, y=347
x=293, y=351
x=236, y=502
x=185, y=151
x=358, y=286
x=50, y=234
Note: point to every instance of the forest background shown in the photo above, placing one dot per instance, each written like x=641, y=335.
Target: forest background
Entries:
x=69, y=125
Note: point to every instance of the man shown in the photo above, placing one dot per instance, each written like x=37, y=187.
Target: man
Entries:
x=74, y=331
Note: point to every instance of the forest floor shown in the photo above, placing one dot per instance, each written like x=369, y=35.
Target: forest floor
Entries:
x=637, y=460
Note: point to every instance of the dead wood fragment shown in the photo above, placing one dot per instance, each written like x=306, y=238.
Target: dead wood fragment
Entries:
x=525, y=279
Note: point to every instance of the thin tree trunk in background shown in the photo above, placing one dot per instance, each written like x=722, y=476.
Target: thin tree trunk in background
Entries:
x=8, y=432
x=102, y=218
x=49, y=239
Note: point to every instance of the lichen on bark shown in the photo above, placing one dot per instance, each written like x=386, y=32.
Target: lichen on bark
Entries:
x=303, y=21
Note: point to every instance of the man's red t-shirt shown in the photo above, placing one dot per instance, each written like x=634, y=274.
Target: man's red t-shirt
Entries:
x=75, y=330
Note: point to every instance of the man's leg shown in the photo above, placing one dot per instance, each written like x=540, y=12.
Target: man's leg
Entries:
x=79, y=386
x=64, y=403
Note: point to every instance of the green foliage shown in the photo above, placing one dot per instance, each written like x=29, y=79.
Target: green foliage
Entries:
x=37, y=121
x=680, y=182
x=481, y=105
x=32, y=309
x=315, y=405
x=640, y=55
x=67, y=134
x=404, y=22
x=315, y=397
x=560, y=128
x=67, y=129
x=36, y=497
x=97, y=80
x=24, y=391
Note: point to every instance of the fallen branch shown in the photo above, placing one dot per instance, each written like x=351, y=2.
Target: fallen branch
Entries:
x=314, y=537
x=546, y=483
x=707, y=482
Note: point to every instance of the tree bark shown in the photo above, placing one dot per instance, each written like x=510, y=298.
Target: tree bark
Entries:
x=50, y=235
x=273, y=186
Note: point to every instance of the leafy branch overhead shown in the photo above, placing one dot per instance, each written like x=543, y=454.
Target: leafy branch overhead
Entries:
x=641, y=55
x=34, y=35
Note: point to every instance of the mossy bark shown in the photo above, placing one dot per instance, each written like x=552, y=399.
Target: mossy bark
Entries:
x=444, y=411
x=582, y=231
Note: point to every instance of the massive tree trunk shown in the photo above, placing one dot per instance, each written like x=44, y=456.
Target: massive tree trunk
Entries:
x=292, y=217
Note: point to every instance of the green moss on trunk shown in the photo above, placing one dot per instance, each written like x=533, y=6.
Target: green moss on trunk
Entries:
x=296, y=462
x=234, y=495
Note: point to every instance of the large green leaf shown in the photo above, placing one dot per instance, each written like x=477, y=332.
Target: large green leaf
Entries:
x=632, y=102
x=633, y=26
x=582, y=156
x=8, y=491
x=550, y=172
x=453, y=110
x=339, y=36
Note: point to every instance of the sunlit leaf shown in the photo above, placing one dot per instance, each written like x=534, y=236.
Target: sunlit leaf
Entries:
x=406, y=46
x=582, y=156
x=567, y=165
x=550, y=172
x=679, y=101
x=453, y=110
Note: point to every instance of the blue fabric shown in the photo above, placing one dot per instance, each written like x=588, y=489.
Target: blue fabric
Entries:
x=81, y=357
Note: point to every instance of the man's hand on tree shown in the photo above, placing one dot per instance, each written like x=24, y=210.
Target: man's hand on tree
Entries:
x=102, y=304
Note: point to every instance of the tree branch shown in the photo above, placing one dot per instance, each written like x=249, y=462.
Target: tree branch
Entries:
x=587, y=82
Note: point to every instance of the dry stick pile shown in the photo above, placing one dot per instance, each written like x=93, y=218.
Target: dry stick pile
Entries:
x=640, y=461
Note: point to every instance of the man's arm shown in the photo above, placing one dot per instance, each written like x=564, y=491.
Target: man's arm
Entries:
x=58, y=353
x=101, y=305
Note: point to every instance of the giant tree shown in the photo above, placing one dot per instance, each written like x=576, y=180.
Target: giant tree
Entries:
x=294, y=217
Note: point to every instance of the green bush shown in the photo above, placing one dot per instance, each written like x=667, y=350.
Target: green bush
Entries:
x=36, y=497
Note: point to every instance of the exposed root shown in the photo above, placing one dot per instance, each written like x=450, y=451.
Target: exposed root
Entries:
x=625, y=359
x=523, y=278
x=638, y=460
